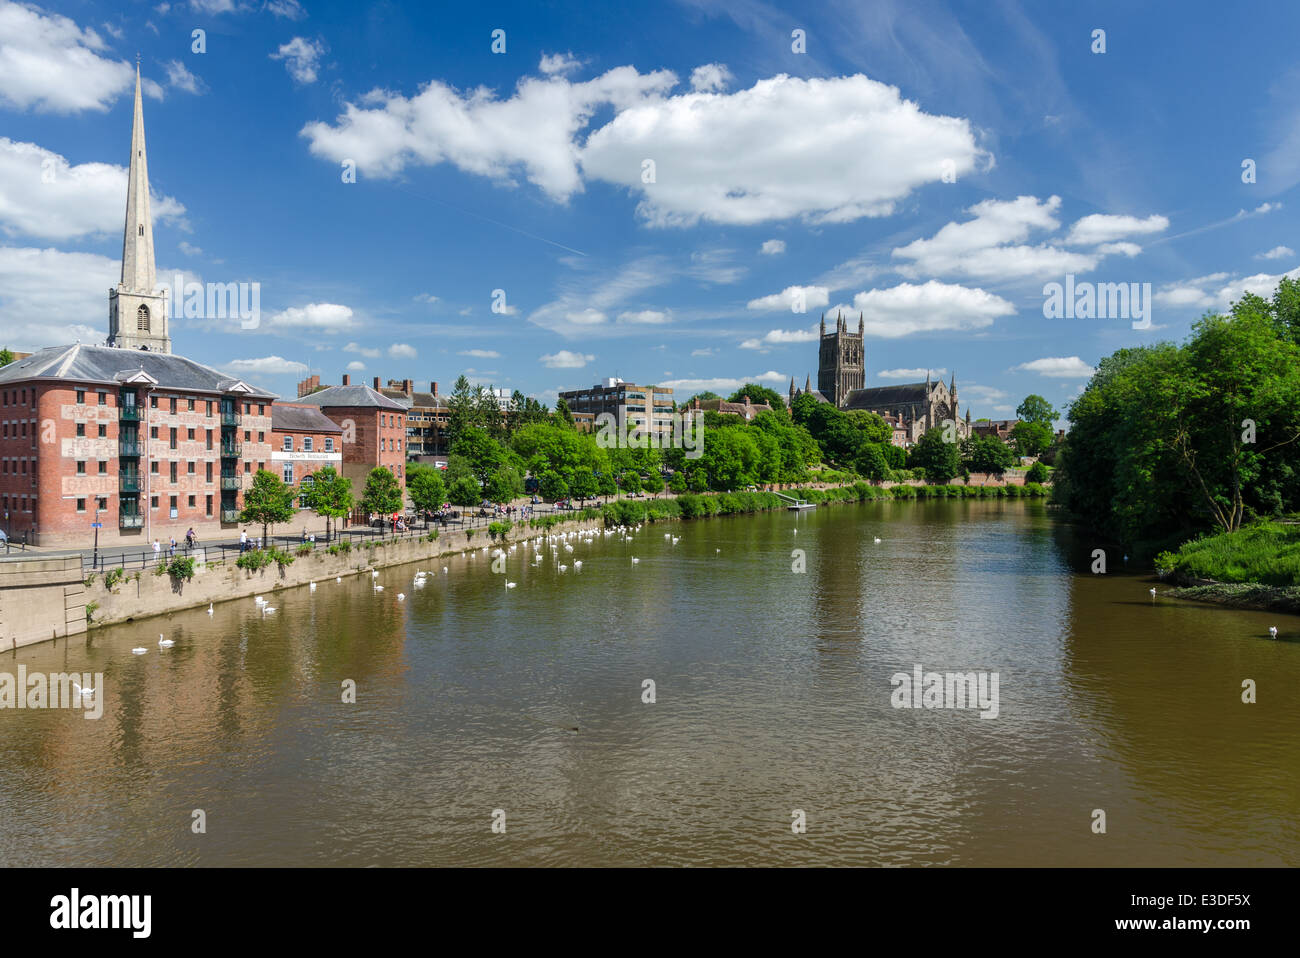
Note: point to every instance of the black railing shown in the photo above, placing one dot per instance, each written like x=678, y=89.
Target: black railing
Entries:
x=130, y=483
x=231, y=450
x=131, y=413
x=128, y=447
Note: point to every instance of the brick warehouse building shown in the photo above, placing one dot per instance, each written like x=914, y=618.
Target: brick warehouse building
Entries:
x=147, y=443
x=303, y=440
x=373, y=429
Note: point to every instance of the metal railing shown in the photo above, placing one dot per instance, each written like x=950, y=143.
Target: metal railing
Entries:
x=126, y=520
x=229, y=418
x=130, y=483
x=131, y=413
x=230, y=481
x=128, y=447
x=231, y=450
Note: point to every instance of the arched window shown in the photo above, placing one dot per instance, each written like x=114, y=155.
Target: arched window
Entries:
x=142, y=318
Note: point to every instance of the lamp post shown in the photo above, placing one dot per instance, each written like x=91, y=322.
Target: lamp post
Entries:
x=94, y=562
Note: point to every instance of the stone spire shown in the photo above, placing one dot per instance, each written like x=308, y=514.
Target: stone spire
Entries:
x=823, y=324
x=862, y=327
x=807, y=385
x=137, y=316
x=137, y=240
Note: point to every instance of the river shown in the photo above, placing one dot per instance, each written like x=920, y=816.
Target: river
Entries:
x=772, y=693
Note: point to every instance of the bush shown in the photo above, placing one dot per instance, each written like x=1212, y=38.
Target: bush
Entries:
x=91, y=609
x=304, y=549
x=113, y=576
x=340, y=548
x=1038, y=473
x=90, y=580
x=279, y=557
x=499, y=529
x=181, y=567
x=253, y=559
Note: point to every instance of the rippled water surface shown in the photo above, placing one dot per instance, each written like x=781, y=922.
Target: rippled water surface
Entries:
x=773, y=694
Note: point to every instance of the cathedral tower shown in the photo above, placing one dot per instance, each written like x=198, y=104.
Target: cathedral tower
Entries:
x=137, y=315
x=841, y=366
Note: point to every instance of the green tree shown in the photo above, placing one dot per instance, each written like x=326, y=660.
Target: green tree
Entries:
x=552, y=485
x=382, y=494
x=630, y=481
x=425, y=487
x=1037, y=473
x=583, y=486
x=986, y=454
x=941, y=460
x=1037, y=409
x=1032, y=438
x=6, y=356
x=505, y=483
x=653, y=484
x=758, y=395
x=330, y=496
x=562, y=413
x=267, y=501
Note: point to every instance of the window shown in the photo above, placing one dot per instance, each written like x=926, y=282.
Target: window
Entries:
x=81, y=429
x=261, y=437
x=142, y=314
x=189, y=467
x=101, y=504
x=383, y=445
x=153, y=402
x=261, y=409
x=190, y=502
x=103, y=431
x=209, y=405
x=288, y=443
x=81, y=397
x=189, y=405
x=103, y=467
x=189, y=434
x=81, y=467
x=245, y=409
x=247, y=436
x=329, y=443
x=208, y=436
x=103, y=397
x=171, y=503
x=172, y=437
x=288, y=473
x=399, y=445
x=172, y=464
x=153, y=467
x=81, y=505
x=153, y=432
x=171, y=405
x=247, y=467
x=306, y=443
x=207, y=471
x=153, y=502
x=209, y=504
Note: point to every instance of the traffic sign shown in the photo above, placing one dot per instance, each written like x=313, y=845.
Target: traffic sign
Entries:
x=97, y=525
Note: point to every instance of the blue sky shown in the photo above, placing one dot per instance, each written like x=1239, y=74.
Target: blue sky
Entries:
x=932, y=165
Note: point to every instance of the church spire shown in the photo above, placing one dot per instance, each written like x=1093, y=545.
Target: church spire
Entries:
x=137, y=240
x=861, y=324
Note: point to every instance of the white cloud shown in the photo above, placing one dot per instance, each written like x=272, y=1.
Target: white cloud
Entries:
x=1107, y=228
x=989, y=246
x=564, y=359
x=1119, y=249
x=916, y=373
x=266, y=366
x=810, y=297
x=38, y=287
x=367, y=351
x=723, y=384
x=781, y=337
x=480, y=353
x=1218, y=292
x=179, y=76
x=1059, y=367
x=289, y=9
x=328, y=317
x=744, y=157
x=906, y=309
x=710, y=77
x=43, y=196
x=558, y=63
x=772, y=247
x=189, y=249
x=716, y=153
x=703, y=352
x=426, y=298
x=586, y=317
x=49, y=65
x=1277, y=252
x=645, y=317
x=301, y=58
x=402, y=351
x=355, y=366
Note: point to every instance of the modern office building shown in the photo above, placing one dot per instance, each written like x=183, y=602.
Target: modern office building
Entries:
x=648, y=407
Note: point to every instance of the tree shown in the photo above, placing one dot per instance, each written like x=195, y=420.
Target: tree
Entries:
x=630, y=481
x=267, y=501
x=1037, y=473
x=758, y=395
x=677, y=484
x=702, y=397
x=425, y=486
x=504, y=484
x=330, y=496
x=1032, y=438
x=653, y=484
x=552, y=485
x=1037, y=409
x=941, y=460
x=986, y=454
x=6, y=356
x=583, y=486
x=382, y=494
x=562, y=413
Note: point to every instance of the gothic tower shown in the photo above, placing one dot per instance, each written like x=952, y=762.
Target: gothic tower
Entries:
x=137, y=315
x=841, y=366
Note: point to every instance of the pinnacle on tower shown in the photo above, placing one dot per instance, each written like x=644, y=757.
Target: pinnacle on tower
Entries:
x=861, y=324
x=137, y=238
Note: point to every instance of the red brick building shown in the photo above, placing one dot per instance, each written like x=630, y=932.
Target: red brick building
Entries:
x=303, y=441
x=373, y=429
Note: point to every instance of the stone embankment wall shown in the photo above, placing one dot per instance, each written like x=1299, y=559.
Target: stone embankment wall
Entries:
x=40, y=600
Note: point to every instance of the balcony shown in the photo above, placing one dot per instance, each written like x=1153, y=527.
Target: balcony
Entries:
x=130, y=413
x=229, y=515
x=128, y=447
x=130, y=483
x=229, y=417
x=231, y=450
x=129, y=520
x=231, y=481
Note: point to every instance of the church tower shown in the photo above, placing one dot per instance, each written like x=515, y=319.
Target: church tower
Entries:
x=137, y=315
x=841, y=364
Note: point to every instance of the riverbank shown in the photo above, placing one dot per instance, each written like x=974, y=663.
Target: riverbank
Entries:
x=115, y=597
x=1257, y=567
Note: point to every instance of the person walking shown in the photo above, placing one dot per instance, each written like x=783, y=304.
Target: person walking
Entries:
x=157, y=549
x=171, y=549
x=243, y=540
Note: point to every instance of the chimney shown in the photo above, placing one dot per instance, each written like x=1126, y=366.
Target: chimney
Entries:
x=434, y=387
x=376, y=384
x=408, y=386
x=347, y=380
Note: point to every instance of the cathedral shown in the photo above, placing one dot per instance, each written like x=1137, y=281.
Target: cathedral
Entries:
x=911, y=408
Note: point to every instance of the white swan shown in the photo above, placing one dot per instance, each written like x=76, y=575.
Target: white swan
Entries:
x=83, y=691
x=401, y=596
x=312, y=586
x=1153, y=593
x=267, y=609
x=165, y=643
x=510, y=585
x=876, y=540
x=635, y=560
x=139, y=650
x=209, y=608
x=1272, y=631
x=577, y=564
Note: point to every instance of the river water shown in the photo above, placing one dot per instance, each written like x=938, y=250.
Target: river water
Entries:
x=772, y=693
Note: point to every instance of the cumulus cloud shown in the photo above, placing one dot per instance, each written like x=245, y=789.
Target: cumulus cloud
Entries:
x=781, y=337
x=301, y=58
x=355, y=366
x=726, y=164
x=39, y=287
x=1107, y=228
x=180, y=78
x=189, y=249
x=990, y=244
x=1058, y=367
x=480, y=353
x=565, y=359
x=50, y=65
x=558, y=63
x=1217, y=291
x=402, y=351
x=266, y=366
x=806, y=297
x=327, y=317
x=906, y=309
x=44, y=196
x=645, y=317
x=710, y=77
x=1277, y=252
x=368, y=351
x=723, y=384
x=772, y=247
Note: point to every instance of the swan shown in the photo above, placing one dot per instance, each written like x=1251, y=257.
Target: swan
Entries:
x=260, y=600
x=1272, y=631
x=165, y=643
x=83, y=691
x=635, y=560
x=338, y=578
x=379, y=588
x=1153, y=593
x=209, y=608
x=564, y=568
x=139, y=650
x=876, y=540
x=312, y=586
x=510, y=585
x=577, y=565
x=267, y=609
x=444, y=569
x=401, y=596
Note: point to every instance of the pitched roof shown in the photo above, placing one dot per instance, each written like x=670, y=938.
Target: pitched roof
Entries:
x=290, y=418
x=350, y=397
x=878, y=397
x=424, y=400
x=84, y=363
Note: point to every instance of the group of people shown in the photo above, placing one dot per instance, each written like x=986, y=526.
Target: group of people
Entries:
x=191, y=540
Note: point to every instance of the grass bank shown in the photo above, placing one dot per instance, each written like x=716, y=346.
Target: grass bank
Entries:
x=1257, y=567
